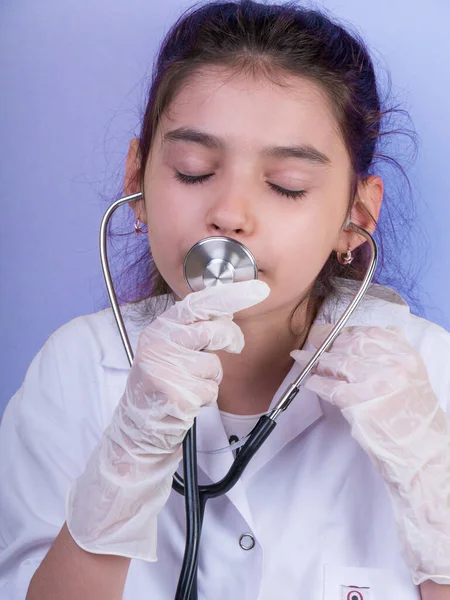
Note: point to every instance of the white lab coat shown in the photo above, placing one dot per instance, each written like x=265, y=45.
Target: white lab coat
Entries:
x=314, y=503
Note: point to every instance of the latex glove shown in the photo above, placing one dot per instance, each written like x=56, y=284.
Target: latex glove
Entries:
x=112, y=507
x=381, y=385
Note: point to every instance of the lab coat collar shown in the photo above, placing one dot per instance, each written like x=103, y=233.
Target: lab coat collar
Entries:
x=303, y=411
x=113, y=354
x=381, y=306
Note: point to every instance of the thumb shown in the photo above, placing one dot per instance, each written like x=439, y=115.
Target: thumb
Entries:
x=218, y=301
x=318, y=334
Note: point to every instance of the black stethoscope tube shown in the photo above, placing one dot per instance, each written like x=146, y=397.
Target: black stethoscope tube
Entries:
x=194, y=508
x=196, y=497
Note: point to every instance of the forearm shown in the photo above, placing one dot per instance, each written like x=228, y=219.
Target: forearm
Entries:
x=69, y=572
x=433, y=591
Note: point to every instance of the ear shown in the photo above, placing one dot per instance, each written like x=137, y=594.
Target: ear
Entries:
x=365, y=212
x=131, y=184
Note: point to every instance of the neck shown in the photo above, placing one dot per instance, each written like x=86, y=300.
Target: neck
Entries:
x=251, y=379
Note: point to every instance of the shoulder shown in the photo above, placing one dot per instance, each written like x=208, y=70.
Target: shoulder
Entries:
x=382, y=307
x=82, y=364
x=94, y=339
x=77, y=376
x=432, y=342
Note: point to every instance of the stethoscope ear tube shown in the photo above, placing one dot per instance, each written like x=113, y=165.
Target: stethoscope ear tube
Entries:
x=107, y=273
x=293, y=389
x=196, y=496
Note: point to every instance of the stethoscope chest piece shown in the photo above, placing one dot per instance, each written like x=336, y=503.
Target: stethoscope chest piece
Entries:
x=218, y=260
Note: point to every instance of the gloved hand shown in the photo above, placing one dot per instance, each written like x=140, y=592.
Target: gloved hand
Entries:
x=112, y=507
x=381, y=385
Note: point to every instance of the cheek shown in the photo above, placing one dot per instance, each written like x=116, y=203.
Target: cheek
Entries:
x=163, y=233
x=300, y=250
x=170, y=210
x=298, y=265
x=171, y=225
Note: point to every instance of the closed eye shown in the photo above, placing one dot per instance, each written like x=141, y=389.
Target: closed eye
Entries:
x=288, y=193
x=192, y=179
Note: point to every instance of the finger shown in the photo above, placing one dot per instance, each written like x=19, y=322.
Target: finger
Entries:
x=302, y=357
x=192, y=381
x=319, y=333
x=336, y=392
x=220, y=334
x=323, y=387
x=192, y=393
x=369, y=342
x=218, y=301
x=350, y=368
x=176, y=362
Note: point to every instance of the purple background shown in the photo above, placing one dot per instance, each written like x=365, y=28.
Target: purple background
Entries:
x=72, y=84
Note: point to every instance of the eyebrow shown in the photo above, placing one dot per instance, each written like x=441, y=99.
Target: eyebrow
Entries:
x=213, y=142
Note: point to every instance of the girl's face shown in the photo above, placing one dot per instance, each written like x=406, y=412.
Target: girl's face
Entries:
x=245, y=158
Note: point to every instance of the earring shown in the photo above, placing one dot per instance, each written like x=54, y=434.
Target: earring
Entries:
x=345, y=259
x=137, y=228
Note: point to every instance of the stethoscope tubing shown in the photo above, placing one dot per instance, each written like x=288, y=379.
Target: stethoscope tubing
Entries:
x=196, y=496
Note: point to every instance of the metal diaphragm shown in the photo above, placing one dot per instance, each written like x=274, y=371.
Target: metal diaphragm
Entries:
x=218, y=260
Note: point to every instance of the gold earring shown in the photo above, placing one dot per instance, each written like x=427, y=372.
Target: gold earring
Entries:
x=345, y=259
x=137, y=228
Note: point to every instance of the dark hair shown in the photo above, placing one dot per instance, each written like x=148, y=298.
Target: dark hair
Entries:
x=274, y=40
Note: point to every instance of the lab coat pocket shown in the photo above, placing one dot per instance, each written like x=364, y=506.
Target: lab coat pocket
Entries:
x=363, y=583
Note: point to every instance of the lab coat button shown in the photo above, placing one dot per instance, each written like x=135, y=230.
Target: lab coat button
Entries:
x=246, y=541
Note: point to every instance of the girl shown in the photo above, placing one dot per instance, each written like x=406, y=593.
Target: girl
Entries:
x=262, y=125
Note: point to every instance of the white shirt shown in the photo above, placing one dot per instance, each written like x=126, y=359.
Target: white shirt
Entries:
x=312, y=500
x=238, y=426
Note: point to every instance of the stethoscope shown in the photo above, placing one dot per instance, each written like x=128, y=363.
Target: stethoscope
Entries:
x=214, y=261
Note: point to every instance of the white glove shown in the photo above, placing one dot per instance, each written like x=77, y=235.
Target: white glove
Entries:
x=381, y=385
x=112, y=507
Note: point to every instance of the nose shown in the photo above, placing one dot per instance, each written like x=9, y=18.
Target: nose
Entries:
x=231, y=214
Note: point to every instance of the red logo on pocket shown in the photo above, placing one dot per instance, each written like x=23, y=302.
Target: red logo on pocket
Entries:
x=354, y=595
x=354, y=592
